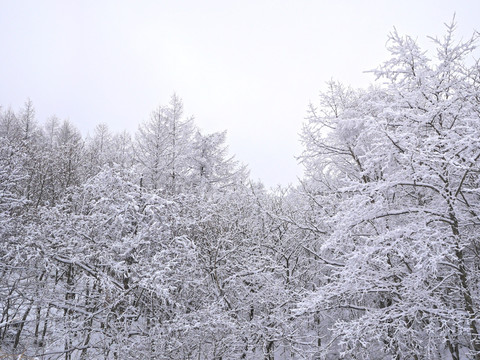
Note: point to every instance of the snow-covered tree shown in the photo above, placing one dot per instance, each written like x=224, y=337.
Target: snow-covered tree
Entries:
x=98, y=149
x=163, y=147
x=211, y=166
x=394, y=173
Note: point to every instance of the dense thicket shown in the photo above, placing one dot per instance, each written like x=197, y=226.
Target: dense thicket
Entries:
x=157, y=246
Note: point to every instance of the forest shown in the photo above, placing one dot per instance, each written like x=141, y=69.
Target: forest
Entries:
x=157, y=245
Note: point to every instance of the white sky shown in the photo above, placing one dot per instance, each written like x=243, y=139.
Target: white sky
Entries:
x=249, y=66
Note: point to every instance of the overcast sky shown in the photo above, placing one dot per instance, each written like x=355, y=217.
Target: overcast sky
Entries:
x=250, y=67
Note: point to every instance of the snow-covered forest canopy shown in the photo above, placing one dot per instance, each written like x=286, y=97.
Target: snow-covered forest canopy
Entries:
x=156, y=245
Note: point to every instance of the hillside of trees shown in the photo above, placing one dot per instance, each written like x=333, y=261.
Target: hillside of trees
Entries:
x=156, y=245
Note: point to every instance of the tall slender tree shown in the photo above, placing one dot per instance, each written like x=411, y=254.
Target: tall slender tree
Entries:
x=163, y=147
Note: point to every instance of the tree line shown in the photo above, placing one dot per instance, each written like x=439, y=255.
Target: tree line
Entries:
x=158, y=246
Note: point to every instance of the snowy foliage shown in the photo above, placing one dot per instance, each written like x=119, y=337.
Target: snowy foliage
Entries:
x=157, y=246
x=401, y=162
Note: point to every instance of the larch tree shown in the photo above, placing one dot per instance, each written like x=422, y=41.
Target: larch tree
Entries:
x=163, y=147
x=211, y=166
x=99, y=149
